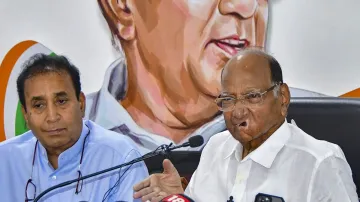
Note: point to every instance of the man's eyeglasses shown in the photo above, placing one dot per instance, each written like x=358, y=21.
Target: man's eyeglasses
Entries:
x=227, y=102
x=30, y=190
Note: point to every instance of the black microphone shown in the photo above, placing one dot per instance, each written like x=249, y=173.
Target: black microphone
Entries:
x=194, y=141
x=177, y=198
x=230, y=199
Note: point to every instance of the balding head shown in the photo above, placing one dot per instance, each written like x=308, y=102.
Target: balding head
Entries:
x=250, y=110
x=253, y=58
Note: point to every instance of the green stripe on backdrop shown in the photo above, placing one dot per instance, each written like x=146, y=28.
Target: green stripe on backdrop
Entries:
x=20, y=123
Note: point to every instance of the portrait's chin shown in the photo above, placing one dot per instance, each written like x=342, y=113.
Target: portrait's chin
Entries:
x=216, y=57
x=209, y=88
x=206, y=76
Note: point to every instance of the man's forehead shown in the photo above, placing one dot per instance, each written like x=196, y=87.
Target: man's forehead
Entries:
x=243, y=89
x=239, y=57
x=251, y=59
x=43, y=95
x=246, y=73
x=47, y=84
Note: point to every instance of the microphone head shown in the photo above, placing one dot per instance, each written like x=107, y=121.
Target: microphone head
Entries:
x=196, y=141
x=177, y=198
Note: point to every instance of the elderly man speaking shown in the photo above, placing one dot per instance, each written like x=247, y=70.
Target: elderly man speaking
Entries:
x=61, y=146
x=260, y=152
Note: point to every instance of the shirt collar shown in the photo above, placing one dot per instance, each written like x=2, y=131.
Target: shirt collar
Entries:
x=266, y=153
x=110, y=114
x=232, y=146
x=71, y=152
x=112, y=90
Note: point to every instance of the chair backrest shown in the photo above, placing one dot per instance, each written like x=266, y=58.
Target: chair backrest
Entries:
x=185, y=162
x=336, y=120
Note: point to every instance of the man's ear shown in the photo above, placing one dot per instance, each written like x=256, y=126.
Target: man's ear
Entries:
x=119, y=17
x=82, y=101
x=284, y=98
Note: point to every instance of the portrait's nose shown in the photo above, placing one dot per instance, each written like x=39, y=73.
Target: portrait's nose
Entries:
x=242, y=8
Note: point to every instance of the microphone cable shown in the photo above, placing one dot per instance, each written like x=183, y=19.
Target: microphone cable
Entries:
x=194, y=141
x=108, y=192
x=163, y=147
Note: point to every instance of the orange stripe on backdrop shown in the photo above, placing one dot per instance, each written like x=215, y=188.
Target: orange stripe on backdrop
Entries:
x=352, y=94
x=6, y=67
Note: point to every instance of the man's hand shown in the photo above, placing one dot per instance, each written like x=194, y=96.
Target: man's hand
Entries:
x=158, y=186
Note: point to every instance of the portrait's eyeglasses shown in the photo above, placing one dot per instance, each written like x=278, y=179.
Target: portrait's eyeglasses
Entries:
x=227, y=102
x=30, y=188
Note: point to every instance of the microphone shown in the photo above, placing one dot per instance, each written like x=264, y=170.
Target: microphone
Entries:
x=231, y=199
x=177, y=198
x=194, y=141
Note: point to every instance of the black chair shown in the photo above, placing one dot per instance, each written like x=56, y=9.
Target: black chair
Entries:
x=185, y=162
x=336, y=120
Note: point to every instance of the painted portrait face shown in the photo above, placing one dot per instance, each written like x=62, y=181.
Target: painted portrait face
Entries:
x=185, y=43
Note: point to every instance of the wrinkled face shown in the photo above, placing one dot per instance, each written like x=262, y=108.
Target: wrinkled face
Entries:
x=187, y=42
x=53, y=112
x=253, y=116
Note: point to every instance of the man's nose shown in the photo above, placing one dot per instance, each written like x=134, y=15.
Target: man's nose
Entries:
x=240, y=111
x=243, y=8
x=52, y=113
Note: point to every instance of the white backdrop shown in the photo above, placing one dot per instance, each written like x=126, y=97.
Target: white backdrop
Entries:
x=315, y=41
x=76, y=29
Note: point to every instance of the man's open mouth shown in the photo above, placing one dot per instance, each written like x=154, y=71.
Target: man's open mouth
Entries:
x=242, y=124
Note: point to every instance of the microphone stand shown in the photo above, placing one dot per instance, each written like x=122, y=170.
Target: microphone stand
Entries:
x=165, y=150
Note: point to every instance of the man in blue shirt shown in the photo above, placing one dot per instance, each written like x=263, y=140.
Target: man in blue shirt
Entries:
x=60, y=145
